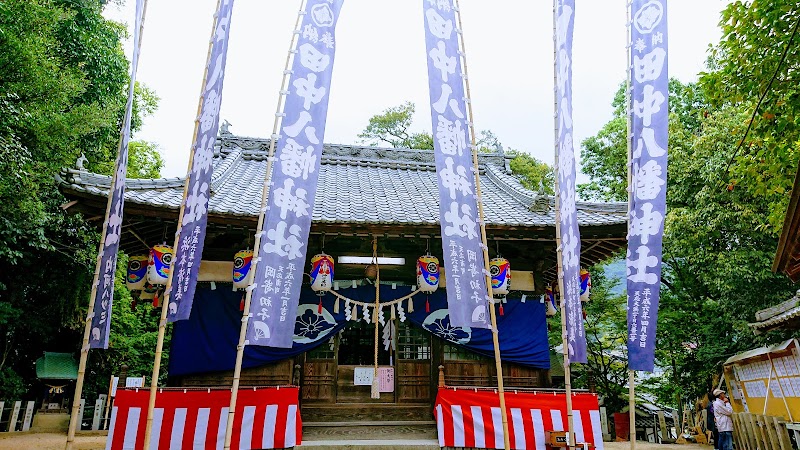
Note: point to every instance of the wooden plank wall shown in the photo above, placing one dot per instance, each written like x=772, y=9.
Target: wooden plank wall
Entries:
x=760, y=432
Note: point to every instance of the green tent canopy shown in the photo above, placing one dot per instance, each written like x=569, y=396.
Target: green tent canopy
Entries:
x=56, y=366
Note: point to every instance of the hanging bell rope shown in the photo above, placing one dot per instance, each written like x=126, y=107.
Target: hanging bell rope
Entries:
x=375, y=392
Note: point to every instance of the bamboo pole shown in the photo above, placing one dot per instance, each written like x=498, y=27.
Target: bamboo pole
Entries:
x=162, y=323
x=74, y=420
x=629, y=142
x=559, y=252
x=492, y=314
x=237, y=369
x=375, y=393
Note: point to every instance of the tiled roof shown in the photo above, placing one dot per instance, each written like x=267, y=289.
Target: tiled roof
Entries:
x=363, y=185
x=778, y=315
x=56, y=366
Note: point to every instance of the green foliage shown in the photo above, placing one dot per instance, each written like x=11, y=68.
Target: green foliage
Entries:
x=755, y=35
x=717, y=247
x=392, y=127
x=63, y=88
x=532, y=173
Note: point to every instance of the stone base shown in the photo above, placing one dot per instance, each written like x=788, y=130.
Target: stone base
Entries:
x=50, y=422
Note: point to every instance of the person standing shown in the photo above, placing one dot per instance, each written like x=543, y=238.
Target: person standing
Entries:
x=711, y=425
x=722, y=418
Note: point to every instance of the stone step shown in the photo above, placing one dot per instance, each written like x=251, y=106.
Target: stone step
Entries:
x=360, y=412
x=369, y=431
x=388, y=444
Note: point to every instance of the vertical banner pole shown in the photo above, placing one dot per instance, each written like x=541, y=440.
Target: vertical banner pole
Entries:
x=237, y=370
x=559, y=252
x=74, y=420
x=162, y=323
x=492, y=314
x=629, y=142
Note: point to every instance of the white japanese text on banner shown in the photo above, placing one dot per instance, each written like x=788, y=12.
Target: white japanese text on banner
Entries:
x=104, y=295
x=565, y=197
x=279, y=269
x=467, y=297
x=189, y=251
x=649, y=127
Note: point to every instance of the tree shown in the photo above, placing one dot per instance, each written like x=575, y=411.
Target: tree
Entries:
x=717, y=251
x=532, y=173
x=753, y=65
x=392, y=125
x=63, y=88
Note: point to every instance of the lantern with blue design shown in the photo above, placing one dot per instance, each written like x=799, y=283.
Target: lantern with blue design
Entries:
x=321, y=273
x=242, y=262
x=159, y=265
x=137, y=271
x=586, y=285
x=500, y=269
x=428, y=274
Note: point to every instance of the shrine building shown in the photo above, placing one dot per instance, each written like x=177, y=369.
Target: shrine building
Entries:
x=365, y=193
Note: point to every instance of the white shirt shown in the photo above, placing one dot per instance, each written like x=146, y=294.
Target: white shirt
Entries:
x=722, y=415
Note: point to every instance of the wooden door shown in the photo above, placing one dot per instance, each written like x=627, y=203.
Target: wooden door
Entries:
x=413, y=374
x=319, y=374
x=356, y=349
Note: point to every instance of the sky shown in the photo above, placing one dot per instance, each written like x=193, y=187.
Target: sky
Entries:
x=381, y=62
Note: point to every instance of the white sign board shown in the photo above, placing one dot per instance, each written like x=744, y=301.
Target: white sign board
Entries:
x=134, y=382
x=114, y=384
x=362, y=376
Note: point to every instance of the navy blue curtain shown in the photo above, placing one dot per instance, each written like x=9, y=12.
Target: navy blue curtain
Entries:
x=206, y=342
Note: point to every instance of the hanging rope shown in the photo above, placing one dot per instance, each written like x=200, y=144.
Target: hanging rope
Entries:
x=375, y=389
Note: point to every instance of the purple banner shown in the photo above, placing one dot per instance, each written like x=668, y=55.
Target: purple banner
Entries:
x=567, y=226
x=104, y=295
x=467, y=297
x=648, y=205
x=189, y=251
x=282, y=254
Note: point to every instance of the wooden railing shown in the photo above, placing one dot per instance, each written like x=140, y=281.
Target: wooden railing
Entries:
x=760, y=432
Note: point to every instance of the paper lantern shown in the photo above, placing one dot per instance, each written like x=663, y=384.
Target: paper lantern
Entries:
x=550, y=302
x=137, y=271
x=148, y=292
x=159, y=264
x=321, y=273
x=242, y=262
x=428, y=273
x=586, y=285
x=500, y=269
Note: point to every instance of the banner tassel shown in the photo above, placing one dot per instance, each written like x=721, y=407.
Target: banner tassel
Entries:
x=410, y=305
x=241, y=303
x=155, y=300
x=427, y=305
x=502, y=313
x=319, y=308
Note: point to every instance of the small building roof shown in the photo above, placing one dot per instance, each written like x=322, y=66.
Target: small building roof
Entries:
x=761, y=351
x=783, y=315
x=56, y=366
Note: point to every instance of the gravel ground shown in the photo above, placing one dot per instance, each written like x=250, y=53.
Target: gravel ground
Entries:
x=50, y=441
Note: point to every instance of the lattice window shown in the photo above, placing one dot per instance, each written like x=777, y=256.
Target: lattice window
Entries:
x=324, y=351
x=413, y=343
x=455, y=353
